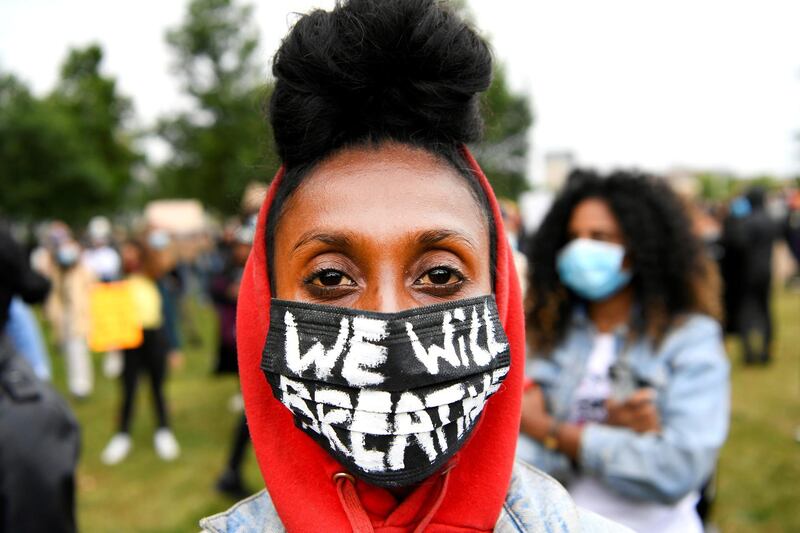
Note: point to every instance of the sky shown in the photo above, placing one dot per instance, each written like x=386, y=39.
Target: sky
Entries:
x=697, y=84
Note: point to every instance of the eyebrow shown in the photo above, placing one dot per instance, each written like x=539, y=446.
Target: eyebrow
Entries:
x=432, y=237
x=340, y=240
x=345, y=240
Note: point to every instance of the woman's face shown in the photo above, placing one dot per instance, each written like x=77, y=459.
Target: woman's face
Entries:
x=382, y=229
x=131, y=256
x=593, y=219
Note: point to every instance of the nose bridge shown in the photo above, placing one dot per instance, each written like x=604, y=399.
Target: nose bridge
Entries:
x=387, y=293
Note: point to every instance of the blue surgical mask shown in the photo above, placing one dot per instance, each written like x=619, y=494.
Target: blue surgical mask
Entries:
x=68, y=254
x=592, y=269
x=158, y=239
x=740, y=207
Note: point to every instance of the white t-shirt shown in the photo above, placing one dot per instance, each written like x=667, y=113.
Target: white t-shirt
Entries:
x=104, y=262
x=587, y=491
x=589, y=402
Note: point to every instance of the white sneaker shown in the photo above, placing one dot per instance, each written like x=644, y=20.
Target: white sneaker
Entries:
x=236, y=404
x=112, y=364
x=117, y=449
x=166, y=446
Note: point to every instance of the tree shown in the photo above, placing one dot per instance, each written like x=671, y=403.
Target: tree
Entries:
x=67, y=155
x=225, y=141
x=715, y=186
x=98, y=116
x=503, y=152
x=30, y=162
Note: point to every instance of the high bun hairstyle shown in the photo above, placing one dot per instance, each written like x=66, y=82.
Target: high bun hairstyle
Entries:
x=370, y=71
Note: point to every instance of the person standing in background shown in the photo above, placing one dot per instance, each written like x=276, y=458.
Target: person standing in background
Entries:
x=25, y=334
x=39, y=435
x=170, y=286
x=791, y=229
x=104, y=262
x=100, y=256
x=630, y=397
x=515, y=235
x=225, y=294
x=749, y=235
x=150, y=357
x=67, y=310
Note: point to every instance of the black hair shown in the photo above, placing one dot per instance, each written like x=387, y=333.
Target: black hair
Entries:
x=372, y=71
x=756, y=195
x=672, y=275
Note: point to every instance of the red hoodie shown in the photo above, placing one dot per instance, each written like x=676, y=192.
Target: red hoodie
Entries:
x=299, y=473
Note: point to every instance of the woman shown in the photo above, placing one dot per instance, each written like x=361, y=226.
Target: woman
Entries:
x=631, y=403
x=67, y=310
x=141, y=266
x=380, y=324
x=225, y=293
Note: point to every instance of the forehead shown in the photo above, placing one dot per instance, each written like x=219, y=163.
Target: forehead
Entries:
x=593, y=212
x=385, y=193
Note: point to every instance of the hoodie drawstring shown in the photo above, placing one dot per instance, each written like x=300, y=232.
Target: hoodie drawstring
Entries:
x=346, y=487
x=360, y=521
x=443, y=479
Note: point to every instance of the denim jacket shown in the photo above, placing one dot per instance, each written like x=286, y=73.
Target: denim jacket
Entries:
x=535, y=503
x=689, y=372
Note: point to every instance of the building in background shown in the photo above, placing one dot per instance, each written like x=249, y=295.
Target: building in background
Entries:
x=557, y=166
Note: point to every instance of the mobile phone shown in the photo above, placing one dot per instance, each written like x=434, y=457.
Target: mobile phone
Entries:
x=623, y=380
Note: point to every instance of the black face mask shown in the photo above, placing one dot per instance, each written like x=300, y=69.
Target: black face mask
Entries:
x=391, y=396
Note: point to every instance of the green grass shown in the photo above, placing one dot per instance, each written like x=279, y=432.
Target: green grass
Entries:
x=144, y=493
x=759, y=472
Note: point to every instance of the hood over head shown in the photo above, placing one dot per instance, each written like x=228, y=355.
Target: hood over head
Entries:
x=299, y=474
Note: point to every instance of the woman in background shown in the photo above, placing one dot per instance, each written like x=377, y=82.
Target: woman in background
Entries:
x=150, y=356
x=225, y=294
x=67, y=310
x=630, y=404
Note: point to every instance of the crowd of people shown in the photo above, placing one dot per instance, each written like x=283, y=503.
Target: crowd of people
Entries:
x=627, y=395
x=61, y=271
x=409, y=359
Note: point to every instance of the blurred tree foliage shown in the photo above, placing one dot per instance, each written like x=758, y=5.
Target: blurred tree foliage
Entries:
x=224, y=142
x=715, y=186
x=507, y=115
x=503, y=152
x=718, y=186
x=68, y=154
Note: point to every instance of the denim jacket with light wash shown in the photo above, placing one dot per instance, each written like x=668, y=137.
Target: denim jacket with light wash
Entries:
x=689, y=372
x=535, y=503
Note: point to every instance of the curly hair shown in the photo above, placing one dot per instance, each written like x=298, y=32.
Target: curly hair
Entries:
x=371, y=71
x=672, y=273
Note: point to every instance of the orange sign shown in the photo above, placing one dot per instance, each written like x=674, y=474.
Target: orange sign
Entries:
x=115, y=325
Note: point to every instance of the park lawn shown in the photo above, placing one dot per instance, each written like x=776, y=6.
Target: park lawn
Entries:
x=759, y=472
x=144, y=493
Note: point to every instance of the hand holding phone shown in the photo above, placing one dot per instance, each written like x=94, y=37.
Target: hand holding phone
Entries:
x=637, y=412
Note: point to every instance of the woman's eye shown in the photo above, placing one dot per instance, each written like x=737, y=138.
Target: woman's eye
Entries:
x=602, y=236
x=440, y=276
x=331, y=278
